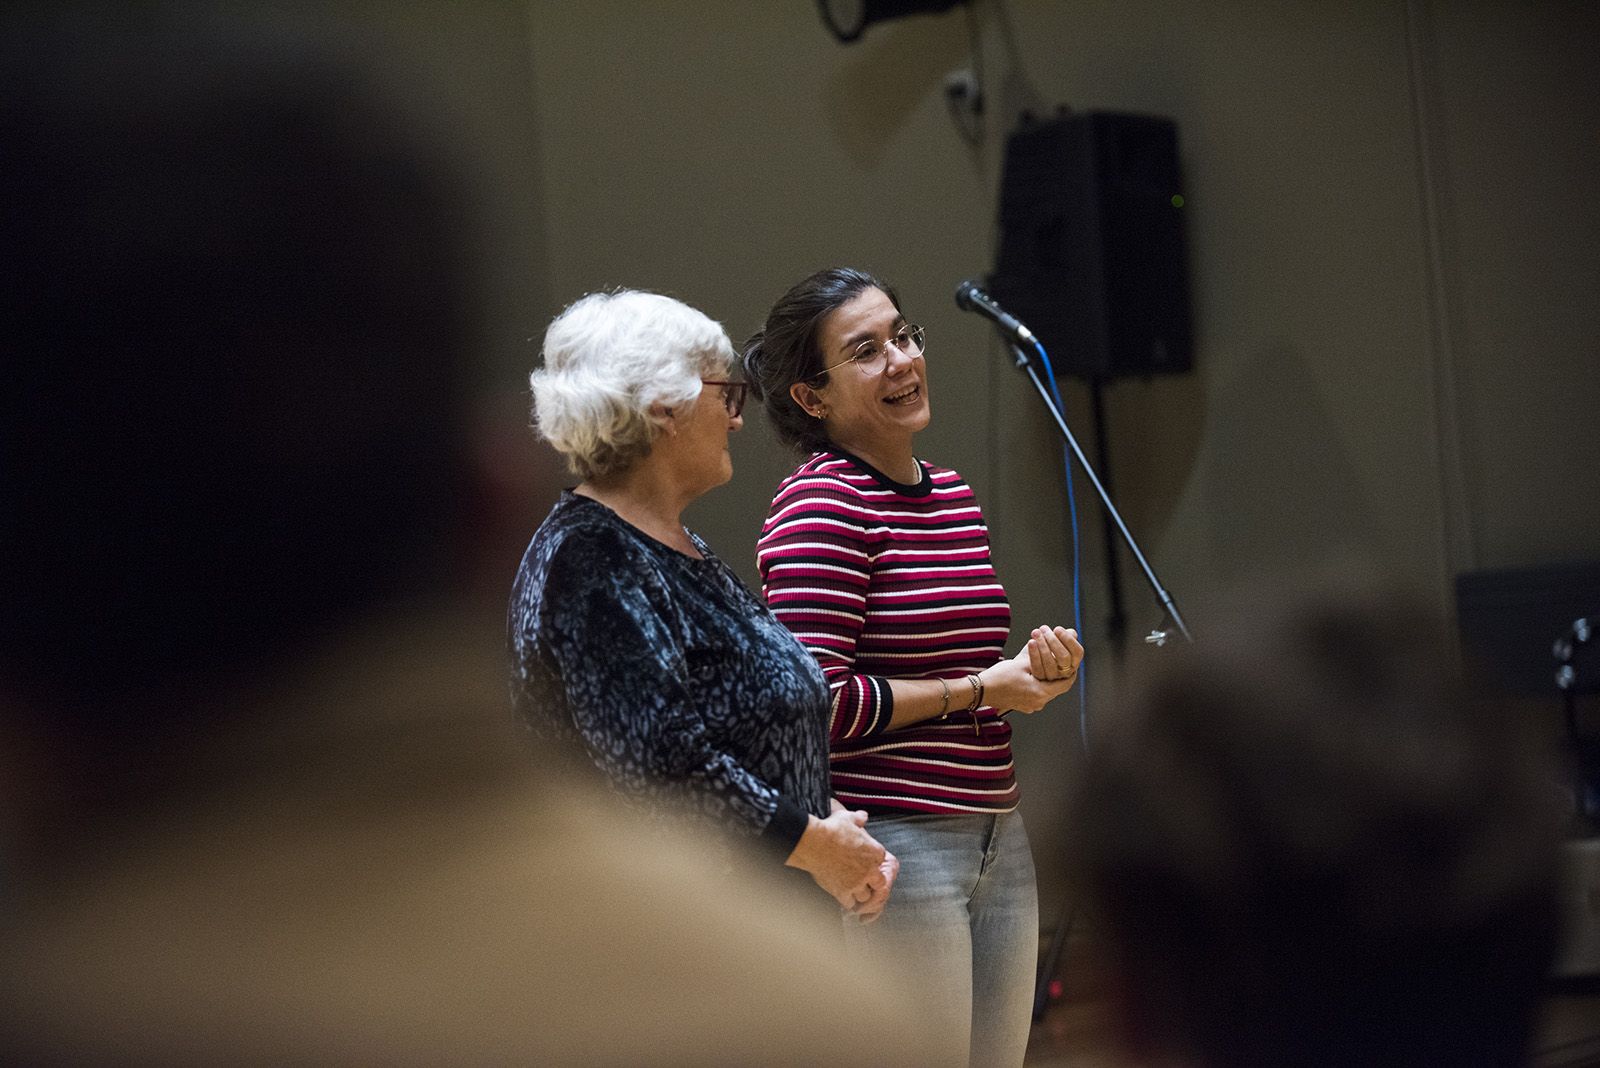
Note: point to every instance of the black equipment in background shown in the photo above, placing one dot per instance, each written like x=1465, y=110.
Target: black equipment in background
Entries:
x=1092, y=252
x=1527, y=632
x=1508, y=618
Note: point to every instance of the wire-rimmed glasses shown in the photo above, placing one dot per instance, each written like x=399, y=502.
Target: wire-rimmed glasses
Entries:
x=871, y=357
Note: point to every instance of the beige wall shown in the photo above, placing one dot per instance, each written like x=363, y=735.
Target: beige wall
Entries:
x=1517, y=137
x=1395, y=256
x=1393, y=243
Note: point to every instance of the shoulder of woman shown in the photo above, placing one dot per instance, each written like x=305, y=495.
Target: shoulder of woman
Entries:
x=823, y=475
x=947, y=482
x=593, y=544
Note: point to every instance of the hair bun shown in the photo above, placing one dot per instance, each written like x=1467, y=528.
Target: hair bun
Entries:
x=751, y=355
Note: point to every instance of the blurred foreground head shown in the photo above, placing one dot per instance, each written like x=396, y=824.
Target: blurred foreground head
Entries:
x=1310, y=843
x=235, y=329
x=235, y=326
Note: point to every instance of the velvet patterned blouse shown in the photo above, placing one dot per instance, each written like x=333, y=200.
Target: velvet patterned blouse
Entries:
x=667, y=675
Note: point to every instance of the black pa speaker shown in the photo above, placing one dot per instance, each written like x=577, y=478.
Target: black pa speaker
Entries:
x=1092, y=254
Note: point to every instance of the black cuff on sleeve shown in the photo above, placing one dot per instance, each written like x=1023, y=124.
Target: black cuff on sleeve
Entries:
x=885, y=704
x=784, y=829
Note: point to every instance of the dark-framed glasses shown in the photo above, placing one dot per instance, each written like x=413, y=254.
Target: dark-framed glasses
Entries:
x=871, y=357
x=733, y=394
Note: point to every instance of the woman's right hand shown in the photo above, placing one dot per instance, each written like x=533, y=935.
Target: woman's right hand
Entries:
x=842, y=857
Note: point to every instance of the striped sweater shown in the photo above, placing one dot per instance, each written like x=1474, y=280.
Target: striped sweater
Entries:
x=882, y=580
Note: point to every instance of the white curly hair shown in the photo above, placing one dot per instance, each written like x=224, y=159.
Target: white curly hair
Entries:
x=610, y=356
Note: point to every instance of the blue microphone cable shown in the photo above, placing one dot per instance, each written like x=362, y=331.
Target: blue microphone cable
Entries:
x=1077, y=570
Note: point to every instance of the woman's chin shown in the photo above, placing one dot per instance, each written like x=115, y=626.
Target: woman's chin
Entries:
x=918, y=416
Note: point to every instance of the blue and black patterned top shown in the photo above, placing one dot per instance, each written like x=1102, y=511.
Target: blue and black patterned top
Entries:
x=673, y=678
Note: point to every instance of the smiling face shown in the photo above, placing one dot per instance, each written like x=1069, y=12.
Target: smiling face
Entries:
x=869, y=415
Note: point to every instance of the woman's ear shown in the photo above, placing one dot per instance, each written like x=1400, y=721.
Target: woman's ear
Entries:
x=809, y=400
x=666, y=418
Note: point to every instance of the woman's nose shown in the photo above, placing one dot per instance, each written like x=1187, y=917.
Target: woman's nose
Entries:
x=897, y=361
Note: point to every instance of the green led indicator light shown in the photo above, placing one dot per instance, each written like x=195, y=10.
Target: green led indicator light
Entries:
x=1177, y=200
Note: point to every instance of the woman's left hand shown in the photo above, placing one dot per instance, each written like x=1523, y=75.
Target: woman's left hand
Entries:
x=1042, y=670
x=873, y=894
x=1054, y=654
x=877, y=890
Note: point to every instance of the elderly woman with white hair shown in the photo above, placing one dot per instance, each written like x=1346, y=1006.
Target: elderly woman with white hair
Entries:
x=632, y=644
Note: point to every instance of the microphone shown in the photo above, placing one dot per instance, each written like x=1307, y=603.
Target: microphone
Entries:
x=971, y=297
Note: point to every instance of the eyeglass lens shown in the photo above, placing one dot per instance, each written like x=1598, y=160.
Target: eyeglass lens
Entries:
x=733, y=394
x=873, y=356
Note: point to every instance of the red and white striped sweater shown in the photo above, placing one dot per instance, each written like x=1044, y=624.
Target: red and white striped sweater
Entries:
x=881, y=580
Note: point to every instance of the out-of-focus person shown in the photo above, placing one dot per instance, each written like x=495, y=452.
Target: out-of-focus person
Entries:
x=631, y=642
x=879, y=562
x=256, y=803
x=1306, y=841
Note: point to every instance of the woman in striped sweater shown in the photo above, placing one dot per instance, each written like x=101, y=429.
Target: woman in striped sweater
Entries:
x=879, y=563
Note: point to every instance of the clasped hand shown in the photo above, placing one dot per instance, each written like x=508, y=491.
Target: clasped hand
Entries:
x=847, y=862
x=867, y=899
x=1045, y=668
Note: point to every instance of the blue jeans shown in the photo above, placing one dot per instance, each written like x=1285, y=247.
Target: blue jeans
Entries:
x=962, y=925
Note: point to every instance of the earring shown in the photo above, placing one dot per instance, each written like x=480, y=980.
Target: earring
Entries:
x=820, y=413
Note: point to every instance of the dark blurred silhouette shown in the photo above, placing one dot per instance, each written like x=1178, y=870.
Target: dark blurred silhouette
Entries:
x=236, y=326
x=1308, y=842
x=262, y=799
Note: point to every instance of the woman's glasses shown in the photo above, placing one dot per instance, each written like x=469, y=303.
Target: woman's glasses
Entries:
x=733, y=394
x=872, y=357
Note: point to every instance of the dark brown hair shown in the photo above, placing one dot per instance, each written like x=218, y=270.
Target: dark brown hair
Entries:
x=785, y=350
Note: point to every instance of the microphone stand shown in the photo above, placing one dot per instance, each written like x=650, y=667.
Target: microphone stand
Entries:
x=1171, y=619
x=1158, y=637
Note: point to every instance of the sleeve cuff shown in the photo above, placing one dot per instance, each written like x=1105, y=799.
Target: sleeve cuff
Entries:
x=885, y=714
x=783, y=830
x=870, y=709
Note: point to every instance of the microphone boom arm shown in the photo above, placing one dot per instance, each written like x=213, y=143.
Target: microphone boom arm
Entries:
x=1168, y=605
